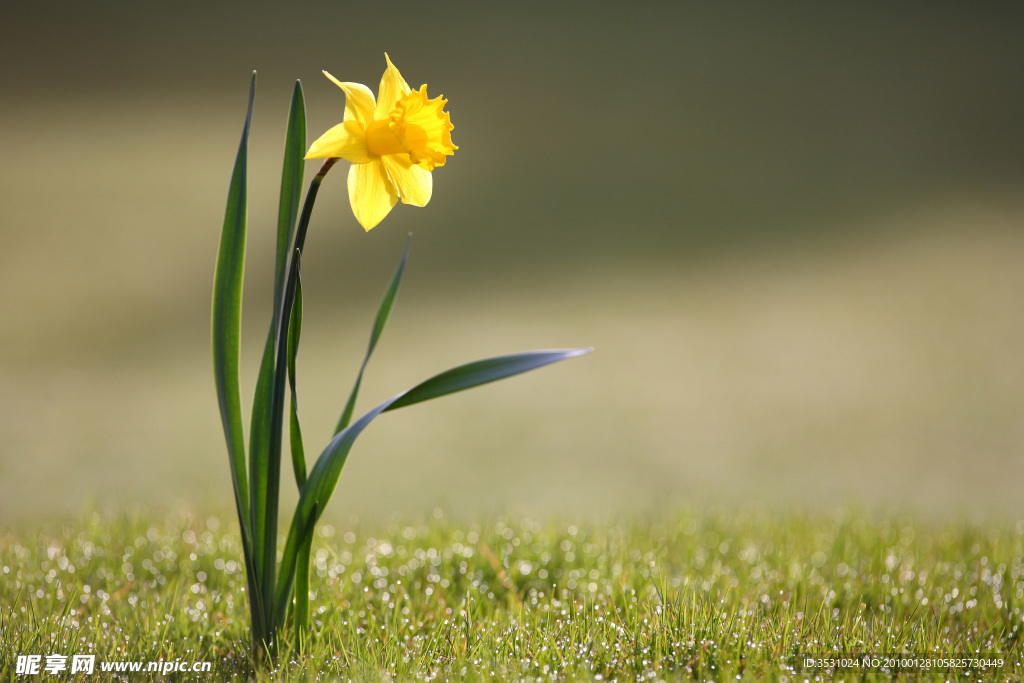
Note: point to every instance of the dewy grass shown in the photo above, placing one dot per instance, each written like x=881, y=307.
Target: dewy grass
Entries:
x=383, y=171
x=719, y=596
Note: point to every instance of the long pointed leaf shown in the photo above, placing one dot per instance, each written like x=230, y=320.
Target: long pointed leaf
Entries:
x=291, y=185
x=480, y=372
x=324, y=477
x=260, y=426
x=259, y=444
x=227, y=313
x=378, y=327
x=291, y=188
x=226, y=338
x=265, y=432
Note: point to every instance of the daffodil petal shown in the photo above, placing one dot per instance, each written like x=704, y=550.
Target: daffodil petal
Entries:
x=414, y=183
x=371, y=193
x=346, y=140
x=359, y=102
x=392, y=88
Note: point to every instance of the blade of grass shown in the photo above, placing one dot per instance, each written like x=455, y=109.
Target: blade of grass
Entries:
x=378, y=327
x=324, y=476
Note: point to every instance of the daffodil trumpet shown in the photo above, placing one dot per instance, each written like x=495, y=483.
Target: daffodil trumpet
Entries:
x=393, y=142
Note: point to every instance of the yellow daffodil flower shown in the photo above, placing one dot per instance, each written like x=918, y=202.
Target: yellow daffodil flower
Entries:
x=393, y=143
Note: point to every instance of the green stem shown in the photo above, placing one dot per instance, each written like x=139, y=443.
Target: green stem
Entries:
x=269, y=561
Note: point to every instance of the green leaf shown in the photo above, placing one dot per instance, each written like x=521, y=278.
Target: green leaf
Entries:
x=294, y=430
x=324, y=477
x=378, y=326
x=291, y=188
x=226, y=334
x=480, y=372
x=259, y=440
x=261, y=425
x=298, y=452
x=265, y=450
x=227, y=315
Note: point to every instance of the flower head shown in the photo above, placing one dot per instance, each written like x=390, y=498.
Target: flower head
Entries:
x=393, y=142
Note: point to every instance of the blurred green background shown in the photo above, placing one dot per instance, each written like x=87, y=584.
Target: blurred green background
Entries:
x=792, y=231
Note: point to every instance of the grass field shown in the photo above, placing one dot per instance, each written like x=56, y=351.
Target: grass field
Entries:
x=730, y=595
